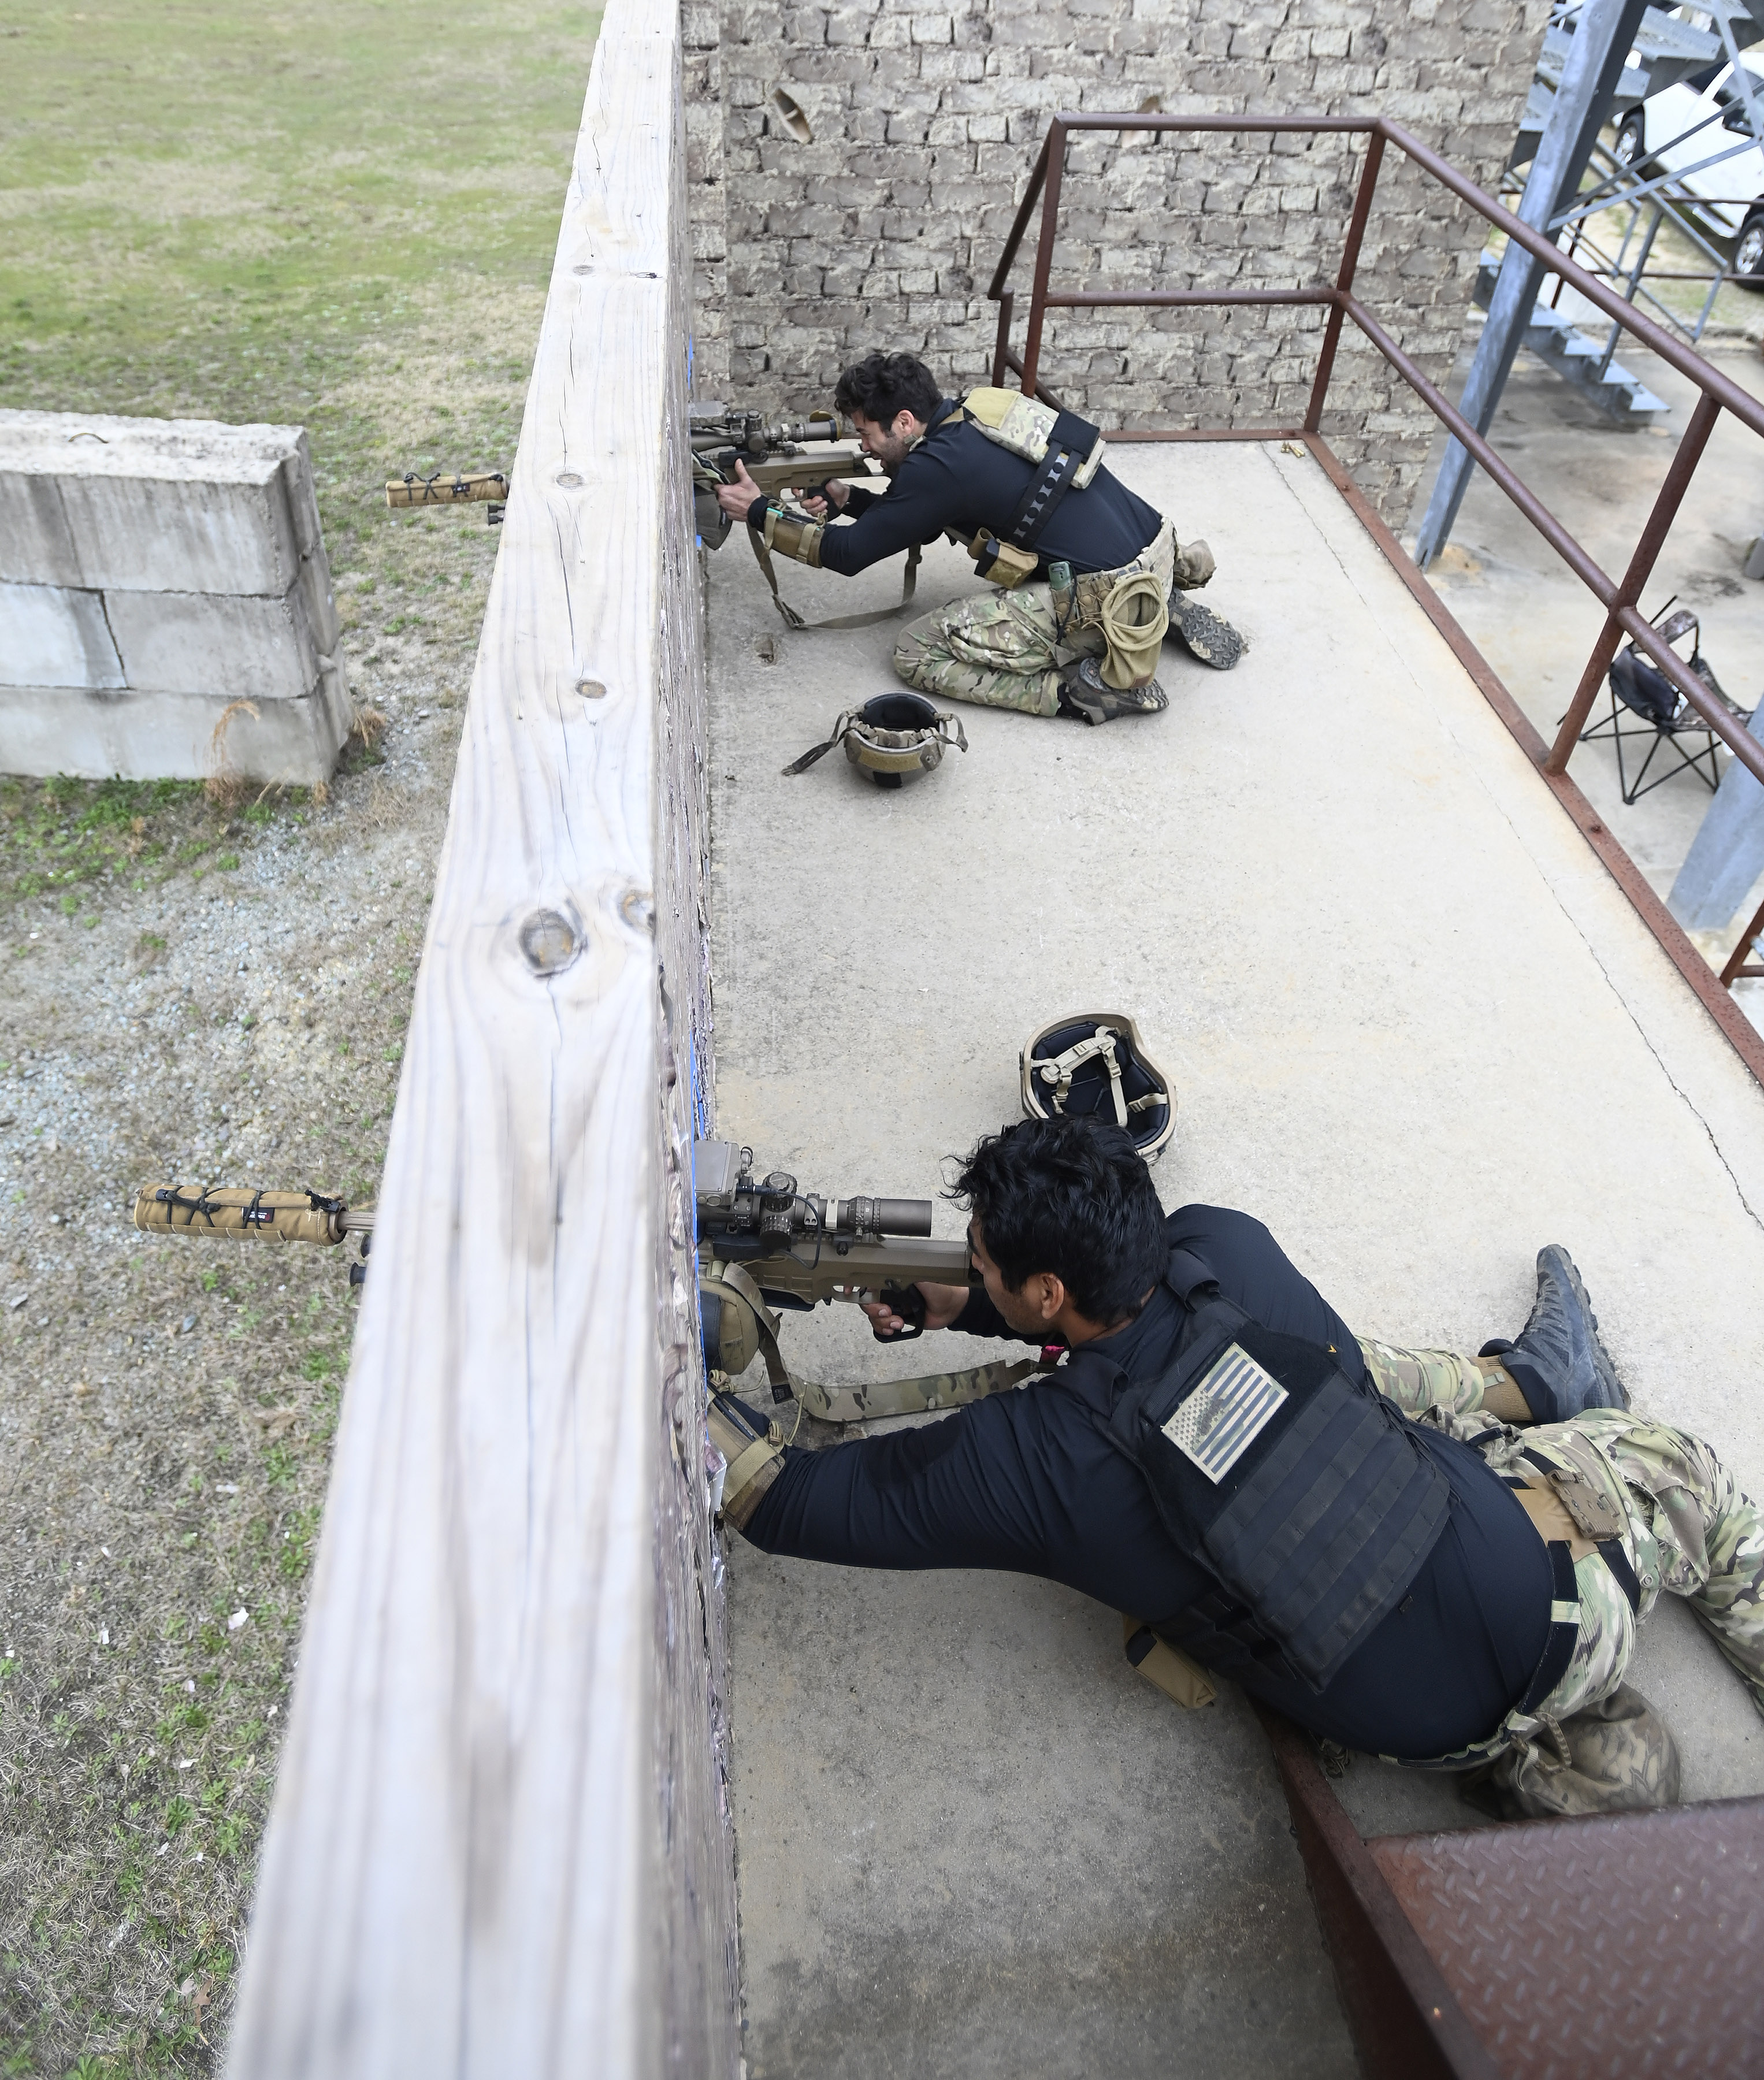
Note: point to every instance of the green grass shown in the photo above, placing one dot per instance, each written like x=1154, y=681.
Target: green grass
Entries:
x=213, y=209
x=340, y=217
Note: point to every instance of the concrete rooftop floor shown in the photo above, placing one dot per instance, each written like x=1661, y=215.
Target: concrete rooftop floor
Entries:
x=1413, y=1025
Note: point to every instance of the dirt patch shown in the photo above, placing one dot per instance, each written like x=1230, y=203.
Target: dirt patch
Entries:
x=213, y=985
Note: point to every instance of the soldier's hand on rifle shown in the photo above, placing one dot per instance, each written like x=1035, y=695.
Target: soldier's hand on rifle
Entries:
x=943, y=1303
x=830, y=499
x=735, y=498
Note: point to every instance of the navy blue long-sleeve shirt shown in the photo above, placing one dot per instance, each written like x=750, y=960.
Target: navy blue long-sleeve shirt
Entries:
x=957, y=479
x=1027, y=1482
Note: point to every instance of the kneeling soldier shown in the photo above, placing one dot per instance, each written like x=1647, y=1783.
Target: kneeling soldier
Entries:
x=1085, y=567
x=1221, y=1459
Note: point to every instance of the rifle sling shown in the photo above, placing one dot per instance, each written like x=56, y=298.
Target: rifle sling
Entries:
x=859, y=1404
x=913, y=1397
x=793, y=619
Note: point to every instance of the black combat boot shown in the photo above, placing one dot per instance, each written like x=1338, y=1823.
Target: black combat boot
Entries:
x=1204, y=634
x=1086, y=696
x=1557, y=1361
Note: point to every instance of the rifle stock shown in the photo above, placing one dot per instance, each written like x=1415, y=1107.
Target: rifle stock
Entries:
x=865, y=1271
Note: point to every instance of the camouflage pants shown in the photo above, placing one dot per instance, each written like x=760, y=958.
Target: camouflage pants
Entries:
x=1004, y=649
x=1000, y=649
x=1592, y=1744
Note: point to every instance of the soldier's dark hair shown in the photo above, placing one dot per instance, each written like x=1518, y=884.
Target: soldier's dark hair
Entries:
x=1072, y=1196
x=882, y=386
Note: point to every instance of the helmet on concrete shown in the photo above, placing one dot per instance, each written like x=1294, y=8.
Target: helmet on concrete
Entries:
x=892, y=737
x=1094, y=1063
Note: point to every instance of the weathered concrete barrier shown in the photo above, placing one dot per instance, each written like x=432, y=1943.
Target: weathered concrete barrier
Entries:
x=154, y=575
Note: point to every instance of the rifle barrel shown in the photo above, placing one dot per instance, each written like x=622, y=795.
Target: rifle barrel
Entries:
x=236, y=1214
x=442, y=489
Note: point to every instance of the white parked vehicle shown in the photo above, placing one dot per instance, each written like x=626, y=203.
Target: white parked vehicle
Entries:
x=1677, y=130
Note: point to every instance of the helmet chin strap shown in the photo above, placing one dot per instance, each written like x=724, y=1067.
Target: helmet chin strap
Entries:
x=1059, y=1071
x=1093, y=1063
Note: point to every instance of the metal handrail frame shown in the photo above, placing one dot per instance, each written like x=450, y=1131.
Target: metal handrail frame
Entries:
x=1619, y=597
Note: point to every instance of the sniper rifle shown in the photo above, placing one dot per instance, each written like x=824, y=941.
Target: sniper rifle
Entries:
x=784, y=457
x=764, y=1247
x=776, y=457
x=774, y=452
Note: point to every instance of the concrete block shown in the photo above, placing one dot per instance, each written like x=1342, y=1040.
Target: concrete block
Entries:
x=93, y=735
x=187, y=643
x=148, y=504
x=53, y=636
x=142, y=558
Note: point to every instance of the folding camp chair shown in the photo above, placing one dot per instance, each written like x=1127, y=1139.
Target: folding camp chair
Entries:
x=1646, y=706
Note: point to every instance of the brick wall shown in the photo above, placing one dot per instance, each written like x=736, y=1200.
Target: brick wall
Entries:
x=884, y=231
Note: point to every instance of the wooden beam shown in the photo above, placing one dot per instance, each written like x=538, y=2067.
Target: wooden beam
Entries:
x=498, y=1843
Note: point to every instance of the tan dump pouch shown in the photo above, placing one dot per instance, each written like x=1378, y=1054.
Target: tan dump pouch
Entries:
x=1173, y=1673
x=1131, y=607
x=238, y=1215
x=999, y=562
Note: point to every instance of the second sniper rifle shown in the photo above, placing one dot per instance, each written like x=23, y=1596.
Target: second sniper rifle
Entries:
x=764, y=1249
x=781, y=456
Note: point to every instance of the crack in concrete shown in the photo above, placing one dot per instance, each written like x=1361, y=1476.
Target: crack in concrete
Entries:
x=1678, y=1091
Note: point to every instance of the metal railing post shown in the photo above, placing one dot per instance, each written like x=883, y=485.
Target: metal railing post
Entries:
x=1344, y=281
x=1055, y=149
x=1641, y=563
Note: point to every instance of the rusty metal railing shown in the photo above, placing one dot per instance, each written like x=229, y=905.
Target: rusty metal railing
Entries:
x=1617, y=596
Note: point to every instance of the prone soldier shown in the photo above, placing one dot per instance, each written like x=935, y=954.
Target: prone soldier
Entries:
x=1434, y=1558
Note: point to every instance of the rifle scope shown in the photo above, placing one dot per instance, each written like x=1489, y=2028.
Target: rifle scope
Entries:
x=894, y=1216
x=733, y=1202
x=775, y=1207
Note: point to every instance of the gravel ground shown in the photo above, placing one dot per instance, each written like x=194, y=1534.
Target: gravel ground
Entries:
x=168, y=1406
x=212, y=212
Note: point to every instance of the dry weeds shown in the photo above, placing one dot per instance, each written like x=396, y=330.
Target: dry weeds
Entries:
x=223, y=788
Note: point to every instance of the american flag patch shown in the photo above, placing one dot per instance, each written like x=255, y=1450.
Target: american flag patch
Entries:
x=1217, y=1423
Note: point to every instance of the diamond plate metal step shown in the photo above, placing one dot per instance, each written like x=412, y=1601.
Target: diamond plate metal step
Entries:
x=1625, y=1945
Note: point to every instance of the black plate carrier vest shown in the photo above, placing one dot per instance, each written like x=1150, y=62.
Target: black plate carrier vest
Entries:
x=1312, y=1499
